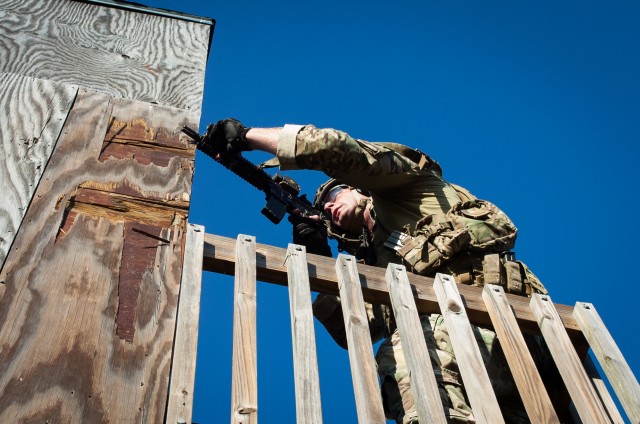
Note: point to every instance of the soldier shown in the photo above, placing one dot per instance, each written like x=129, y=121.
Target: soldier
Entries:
x=388, y=203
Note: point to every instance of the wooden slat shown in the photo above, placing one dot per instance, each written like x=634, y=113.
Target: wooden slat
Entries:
x=219, y=254
x=474, y=374
x=603, y=392
x=68, y=278
x=244, y=383
x=32, y=113
x=136, y=56
x=611, y=359
x=582, y=392
x=305, y=360
x=525, y=374
x=362, y=361
x=423, y=382
x=183, y=361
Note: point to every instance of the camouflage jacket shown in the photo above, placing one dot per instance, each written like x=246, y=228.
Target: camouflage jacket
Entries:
x=401, y=193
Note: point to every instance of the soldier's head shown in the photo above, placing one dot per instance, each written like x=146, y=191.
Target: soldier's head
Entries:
x=344, y=207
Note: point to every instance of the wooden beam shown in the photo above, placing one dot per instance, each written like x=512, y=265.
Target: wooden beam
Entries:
x=219, y=254
x=303, y=337
x=613, y=363
x=583, y=394
x=183, y=361
x=361, y=359
x=244, y=366
x=525, y=374
x=474, y=374
x=423, y=382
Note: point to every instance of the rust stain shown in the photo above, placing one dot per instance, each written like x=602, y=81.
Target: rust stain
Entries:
x=138, y=258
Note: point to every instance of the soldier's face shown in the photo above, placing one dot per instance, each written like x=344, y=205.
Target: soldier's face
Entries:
x=343, y=211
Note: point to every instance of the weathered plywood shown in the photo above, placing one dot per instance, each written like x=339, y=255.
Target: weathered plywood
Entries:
x=126, y=54
x=32, y=113
x=185, y=348
x=244, y=366
x=361, y=359
x=305, y=360
x=423, y=380
x=91, y=282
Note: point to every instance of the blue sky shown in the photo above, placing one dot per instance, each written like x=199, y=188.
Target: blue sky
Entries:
x=532, y=105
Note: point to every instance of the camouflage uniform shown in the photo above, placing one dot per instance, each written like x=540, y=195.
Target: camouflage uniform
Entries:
x=401, y=194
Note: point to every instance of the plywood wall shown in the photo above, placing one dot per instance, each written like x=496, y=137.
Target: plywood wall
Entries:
x=94, y=200
x=139, y=56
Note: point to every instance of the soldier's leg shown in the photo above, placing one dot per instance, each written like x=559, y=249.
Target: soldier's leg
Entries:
x=396, y=386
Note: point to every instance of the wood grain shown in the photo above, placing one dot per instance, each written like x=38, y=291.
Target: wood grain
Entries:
x=59, y=308
x=603, y=392
x=423, y=381
x=244, y=367
x=305, y=359
x=219, y=256
x=474, y=374
x=32, y=113
x=361, y=359
x=185, y=349
x=138, y=56
x=580, y=388
x=610, y=358
x=525, y=374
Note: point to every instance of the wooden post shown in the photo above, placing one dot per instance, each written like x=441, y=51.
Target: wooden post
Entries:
x=183, y=361
x=363, y=365
x=244, y=383
x=603, y=392
x=608, y=354
x=578, y=384
x=305, y=360
x=525, y=374
x=423, y=382
x=476, y=380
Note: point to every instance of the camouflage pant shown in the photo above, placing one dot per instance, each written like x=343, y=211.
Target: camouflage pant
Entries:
x=394, y=376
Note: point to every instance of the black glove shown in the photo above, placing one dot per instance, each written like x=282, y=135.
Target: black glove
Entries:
x=226, y=137
x=310, y=233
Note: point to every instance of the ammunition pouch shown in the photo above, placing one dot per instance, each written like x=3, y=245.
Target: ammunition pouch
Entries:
x=474, y=226
x=501, y=269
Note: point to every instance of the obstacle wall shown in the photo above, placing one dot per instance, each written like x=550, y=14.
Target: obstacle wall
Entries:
x=95, y=184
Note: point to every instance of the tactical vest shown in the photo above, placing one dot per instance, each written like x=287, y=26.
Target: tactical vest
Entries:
x=474, y=227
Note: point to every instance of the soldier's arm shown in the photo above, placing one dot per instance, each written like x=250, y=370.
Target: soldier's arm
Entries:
x=265, y=139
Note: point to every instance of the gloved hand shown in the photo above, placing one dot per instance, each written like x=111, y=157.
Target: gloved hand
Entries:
x=310, y=233
x=227, y=137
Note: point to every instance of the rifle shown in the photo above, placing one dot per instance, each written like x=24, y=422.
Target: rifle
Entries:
x=281, y=191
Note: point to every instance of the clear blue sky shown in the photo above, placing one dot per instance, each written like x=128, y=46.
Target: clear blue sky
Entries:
x=532, y=105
